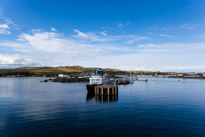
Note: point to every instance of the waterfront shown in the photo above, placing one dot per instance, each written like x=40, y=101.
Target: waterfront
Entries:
x=159, y=107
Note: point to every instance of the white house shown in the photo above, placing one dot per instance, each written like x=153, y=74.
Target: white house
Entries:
x=63, y=76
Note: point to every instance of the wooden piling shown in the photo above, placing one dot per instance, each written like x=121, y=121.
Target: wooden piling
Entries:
x=95, y=90
x=102, y=91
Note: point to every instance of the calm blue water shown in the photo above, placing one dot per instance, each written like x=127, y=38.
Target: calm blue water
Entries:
x=161, y=107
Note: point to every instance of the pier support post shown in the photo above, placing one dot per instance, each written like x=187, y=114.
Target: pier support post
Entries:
x=113, y=90
x=95, y=90
x=108, y=91
x=101, y=91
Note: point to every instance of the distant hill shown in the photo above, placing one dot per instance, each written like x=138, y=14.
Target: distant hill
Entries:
x=52, y=71
x=69, y=70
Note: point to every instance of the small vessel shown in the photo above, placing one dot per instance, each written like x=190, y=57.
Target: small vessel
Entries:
x=96, y=79
x=100, y=85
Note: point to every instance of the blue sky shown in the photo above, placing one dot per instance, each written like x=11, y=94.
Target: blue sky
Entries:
x=156, y=35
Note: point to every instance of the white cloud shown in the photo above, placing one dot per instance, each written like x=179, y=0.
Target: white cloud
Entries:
x=53, y=29
x=168, y=36
x=120, y=25
x=8, y=23
x=188, y=26
x=16, y=60
x=156, y=57
x=44, y=41
x=7, y=20
x=4, y=31
x=103, y=33
x=92, y=37
x=183, y=27
x=55, y=49
x=4, y=26
x=80, y=34
x=136, y=39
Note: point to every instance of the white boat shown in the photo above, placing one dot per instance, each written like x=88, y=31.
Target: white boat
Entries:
x=98, y=78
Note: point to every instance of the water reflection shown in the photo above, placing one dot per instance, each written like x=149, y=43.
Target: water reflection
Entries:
x=101, y=98
x=161, y=107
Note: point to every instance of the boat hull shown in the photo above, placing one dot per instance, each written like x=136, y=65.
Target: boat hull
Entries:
x=91, y=88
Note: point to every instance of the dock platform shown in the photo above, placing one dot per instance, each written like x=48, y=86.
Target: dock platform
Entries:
x=103, y=89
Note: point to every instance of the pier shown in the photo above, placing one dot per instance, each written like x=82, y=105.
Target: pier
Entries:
x=103, y=89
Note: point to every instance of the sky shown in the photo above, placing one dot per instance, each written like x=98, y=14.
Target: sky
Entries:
x=151, y=35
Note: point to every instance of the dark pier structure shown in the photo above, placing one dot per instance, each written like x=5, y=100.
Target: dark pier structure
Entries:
x=103, y=89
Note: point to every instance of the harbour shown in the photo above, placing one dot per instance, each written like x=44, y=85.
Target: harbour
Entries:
x=102, y=68
x=33, y=108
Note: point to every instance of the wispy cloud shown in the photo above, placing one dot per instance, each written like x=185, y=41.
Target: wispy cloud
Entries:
x=188, y=26
x=7, y=25
x=93, y=37
x=4, y=26
x=136, y=39
x=4, y=29
x=80, y=34
x=103, y=33
x=120, y=25
x=53, y=29
x=168, y=36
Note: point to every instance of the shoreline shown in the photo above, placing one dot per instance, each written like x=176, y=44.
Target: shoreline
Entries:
x=202, y=78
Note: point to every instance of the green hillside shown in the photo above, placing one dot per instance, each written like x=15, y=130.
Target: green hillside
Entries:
x=52, y=71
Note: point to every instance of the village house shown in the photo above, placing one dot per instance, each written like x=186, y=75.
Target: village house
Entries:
x=63, y=76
